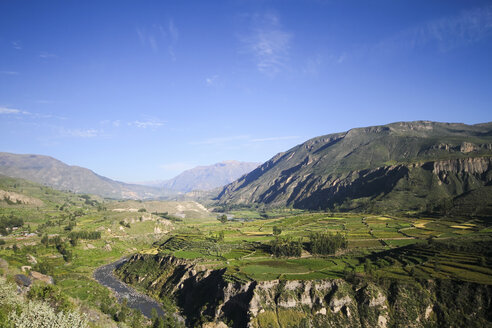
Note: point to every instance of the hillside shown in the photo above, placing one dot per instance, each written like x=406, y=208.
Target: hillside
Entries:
x=414, y=167
x=54, y=173
x=208, y=177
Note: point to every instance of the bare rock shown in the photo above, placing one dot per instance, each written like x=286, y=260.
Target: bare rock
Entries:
x=41, y=277
x=22, y=280
x=31, y=259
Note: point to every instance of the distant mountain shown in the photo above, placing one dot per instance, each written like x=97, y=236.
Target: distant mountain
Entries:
x=56, y=174
x=208, y=177
x=413, y=167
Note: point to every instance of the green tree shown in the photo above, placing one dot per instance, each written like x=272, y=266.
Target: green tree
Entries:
x=222, y=218
x=276, y=230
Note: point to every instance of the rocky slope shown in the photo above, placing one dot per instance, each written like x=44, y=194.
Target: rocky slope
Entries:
x=58, y=175
x=212, y=298
x=409, y=166
x=207, y=177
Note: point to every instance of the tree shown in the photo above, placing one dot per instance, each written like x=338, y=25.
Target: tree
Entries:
x=222, y=218
x=326, y=243
x=220, y=237
x=45, y=240
x=286, y=247
x=276, y=230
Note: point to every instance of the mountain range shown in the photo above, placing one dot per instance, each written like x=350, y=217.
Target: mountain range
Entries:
x=414, y=167
x=208, y=177
x=56, y=174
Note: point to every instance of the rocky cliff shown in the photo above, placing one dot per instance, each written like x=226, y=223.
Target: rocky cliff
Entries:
x=407, y=166
x=214, y=298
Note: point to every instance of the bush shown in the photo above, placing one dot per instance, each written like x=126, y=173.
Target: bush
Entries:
x=40, y=315
x=50, y=294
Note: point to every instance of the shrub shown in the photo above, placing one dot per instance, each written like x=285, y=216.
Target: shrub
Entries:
x=40, y=315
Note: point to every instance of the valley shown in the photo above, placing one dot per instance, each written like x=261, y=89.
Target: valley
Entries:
x=328, y=234
x=174, y=246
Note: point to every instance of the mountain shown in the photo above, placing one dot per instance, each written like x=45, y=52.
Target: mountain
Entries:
x=56, y=174
x=416, y=167
x=208, y=177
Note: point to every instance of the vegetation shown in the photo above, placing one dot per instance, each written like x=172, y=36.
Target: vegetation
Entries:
x=286, y=247
x=257, y=243
x=327, y=243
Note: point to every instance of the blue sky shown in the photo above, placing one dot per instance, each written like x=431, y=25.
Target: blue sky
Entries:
x=141, y=90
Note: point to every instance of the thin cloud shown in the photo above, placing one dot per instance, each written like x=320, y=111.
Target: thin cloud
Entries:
x=47, y=55
x=446, y=33
x=269, y=43
x=173, y=31
x=17, y=45
x=212, y=81
x=12, y=111
x=9, y=73
x=146, y=124
x=22, y=113
x=159, y=36
x=80, y=133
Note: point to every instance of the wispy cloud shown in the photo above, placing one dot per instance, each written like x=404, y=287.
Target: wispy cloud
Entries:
x=9, y=73
x=22, y=113
x=47, y=55
x=80, y=133
x=275, y=138
x=173, y=31
x=12, y=111
x=17, y=45
x=212, y=81
x=160, y=36
x=269, y=43
x=446, y=33
x=146, y=124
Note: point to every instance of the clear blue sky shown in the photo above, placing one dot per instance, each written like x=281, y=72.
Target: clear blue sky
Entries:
x=141, y=90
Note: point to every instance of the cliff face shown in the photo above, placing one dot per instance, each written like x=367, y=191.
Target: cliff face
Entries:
x=212, y=298
x=375, y=168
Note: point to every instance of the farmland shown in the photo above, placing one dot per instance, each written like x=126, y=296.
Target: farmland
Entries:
x=67, y=236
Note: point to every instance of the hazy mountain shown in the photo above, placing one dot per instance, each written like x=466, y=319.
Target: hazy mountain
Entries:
x=207, y=177
x=54, y=173
x=407, y=166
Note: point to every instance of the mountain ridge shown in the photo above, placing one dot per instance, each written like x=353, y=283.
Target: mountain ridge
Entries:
x=328, y=172
x=52, y=172
x=207, y=177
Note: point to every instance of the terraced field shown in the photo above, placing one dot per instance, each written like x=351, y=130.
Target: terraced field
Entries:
x=377, y=245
